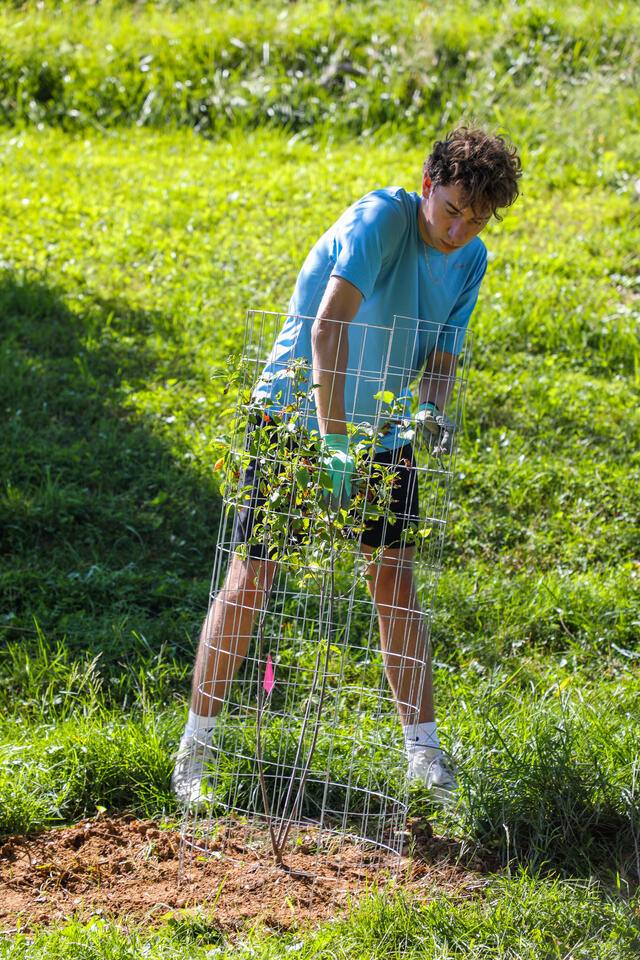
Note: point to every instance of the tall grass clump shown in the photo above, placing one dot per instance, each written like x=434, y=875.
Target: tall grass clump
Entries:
x=61, y=772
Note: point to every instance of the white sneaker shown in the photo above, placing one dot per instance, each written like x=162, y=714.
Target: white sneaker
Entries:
x=189, y=777
x=429, y=767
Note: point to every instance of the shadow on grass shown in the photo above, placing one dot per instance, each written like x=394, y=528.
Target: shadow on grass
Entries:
x=105, y=533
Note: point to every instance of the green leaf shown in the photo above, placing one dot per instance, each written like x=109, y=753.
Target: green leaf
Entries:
x=303, y=477
x=385, y=395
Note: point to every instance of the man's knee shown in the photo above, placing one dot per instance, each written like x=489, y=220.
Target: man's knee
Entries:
x=392, y=583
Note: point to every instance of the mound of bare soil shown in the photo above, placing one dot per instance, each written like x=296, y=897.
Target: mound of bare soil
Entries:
x=127, y=868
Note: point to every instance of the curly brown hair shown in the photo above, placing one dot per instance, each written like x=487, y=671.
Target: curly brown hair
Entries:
x=487, y=167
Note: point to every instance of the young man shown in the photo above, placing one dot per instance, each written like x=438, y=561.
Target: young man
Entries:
x=391, y=256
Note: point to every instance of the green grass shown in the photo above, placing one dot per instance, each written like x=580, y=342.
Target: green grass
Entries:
x=516, y=919
x=250, y=64
x=547, y=751
x=132, y=247
x=119, y=306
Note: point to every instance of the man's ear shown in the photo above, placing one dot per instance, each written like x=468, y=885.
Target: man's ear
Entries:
x=426, y=185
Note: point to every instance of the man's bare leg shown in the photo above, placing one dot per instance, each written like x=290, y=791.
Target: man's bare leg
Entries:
x=224, y=641
x=227, y=631
x=407, y=658
x=403, y=634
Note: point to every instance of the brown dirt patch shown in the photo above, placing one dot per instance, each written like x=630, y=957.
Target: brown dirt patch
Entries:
x=123, y=867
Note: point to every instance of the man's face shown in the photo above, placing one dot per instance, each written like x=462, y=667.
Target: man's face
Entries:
x=446, y=224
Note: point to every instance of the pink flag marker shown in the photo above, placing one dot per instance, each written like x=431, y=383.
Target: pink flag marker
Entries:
x=269, y=680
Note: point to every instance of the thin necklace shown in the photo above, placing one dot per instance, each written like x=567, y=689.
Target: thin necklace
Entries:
x=426, y=257
x=446, y=265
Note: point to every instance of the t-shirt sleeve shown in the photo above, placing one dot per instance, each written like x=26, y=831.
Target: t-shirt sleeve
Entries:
x=366, y=237
x=452, y=334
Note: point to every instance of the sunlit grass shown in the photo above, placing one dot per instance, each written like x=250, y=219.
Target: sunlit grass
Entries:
x=123, y=295
x=515, y=919
x=129, y=258
x=318, y=68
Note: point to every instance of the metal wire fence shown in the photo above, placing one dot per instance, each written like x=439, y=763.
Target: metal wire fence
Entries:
x=316, y=637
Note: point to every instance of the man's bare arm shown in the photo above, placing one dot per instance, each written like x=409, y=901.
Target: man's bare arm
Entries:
x=438, y=378
x=330, y=352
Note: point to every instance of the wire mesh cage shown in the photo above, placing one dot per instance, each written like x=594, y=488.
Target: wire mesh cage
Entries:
x=316, y=640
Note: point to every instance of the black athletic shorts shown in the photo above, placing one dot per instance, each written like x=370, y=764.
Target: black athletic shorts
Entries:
x=378, y=532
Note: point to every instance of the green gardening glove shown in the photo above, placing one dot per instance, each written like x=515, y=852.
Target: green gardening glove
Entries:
x=437, y=429
x=339, y=464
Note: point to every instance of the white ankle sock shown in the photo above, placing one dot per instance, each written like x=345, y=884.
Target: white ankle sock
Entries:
x=422, y=734
x=198, y=725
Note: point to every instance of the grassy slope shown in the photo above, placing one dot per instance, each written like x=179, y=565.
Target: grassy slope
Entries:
x=117, y=405
x=248, y=64
x=129, y=260
x=143, y=251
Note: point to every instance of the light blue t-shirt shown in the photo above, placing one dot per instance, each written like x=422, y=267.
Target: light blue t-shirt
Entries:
x=414, y=300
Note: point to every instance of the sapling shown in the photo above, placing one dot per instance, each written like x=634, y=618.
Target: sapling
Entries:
x=299, y=526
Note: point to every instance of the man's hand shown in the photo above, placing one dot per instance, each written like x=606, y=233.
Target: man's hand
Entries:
x=339, y=464
x=436, y=428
